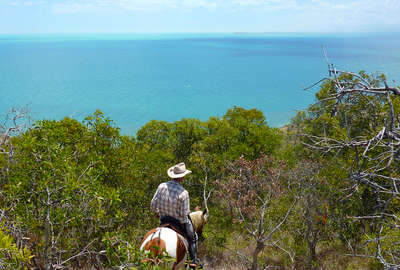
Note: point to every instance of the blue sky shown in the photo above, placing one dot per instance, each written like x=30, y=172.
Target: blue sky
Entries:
x=165, y=16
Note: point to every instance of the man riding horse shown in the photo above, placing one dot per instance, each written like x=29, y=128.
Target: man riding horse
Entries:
x=171, y=204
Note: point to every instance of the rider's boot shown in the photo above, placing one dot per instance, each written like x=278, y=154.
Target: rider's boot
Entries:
x=193, y=255
x=192, y=239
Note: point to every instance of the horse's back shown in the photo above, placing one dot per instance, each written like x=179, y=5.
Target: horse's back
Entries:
x=160, y=239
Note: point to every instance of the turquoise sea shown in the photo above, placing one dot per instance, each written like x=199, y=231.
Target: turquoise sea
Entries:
x=134, y=78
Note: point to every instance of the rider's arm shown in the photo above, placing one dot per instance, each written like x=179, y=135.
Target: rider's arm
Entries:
x=185, y=205
x=154, y=204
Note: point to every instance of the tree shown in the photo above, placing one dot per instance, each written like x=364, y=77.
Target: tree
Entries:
x=13, y=245
x=356, y=122
x=311, y=222
x=15, y=122
x=184, y=135
x=63, y=188
x=254, y=138
x=251, y=188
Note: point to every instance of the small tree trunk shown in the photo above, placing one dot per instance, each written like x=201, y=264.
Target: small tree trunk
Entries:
x=311, y=245
x=311, y=234
x=48, y=256
x=256, y=251
x=46, y=246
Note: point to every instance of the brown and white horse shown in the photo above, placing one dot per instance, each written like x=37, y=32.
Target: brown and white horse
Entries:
x=163, y=240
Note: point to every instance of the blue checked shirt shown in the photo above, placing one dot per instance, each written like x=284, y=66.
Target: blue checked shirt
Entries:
x=171, y=199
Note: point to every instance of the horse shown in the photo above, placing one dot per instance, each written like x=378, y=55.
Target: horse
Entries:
x=165, y=241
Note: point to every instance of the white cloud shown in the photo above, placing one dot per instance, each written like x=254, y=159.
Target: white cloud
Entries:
x=14, y=3
x=72, y=7
x=76, y=6
x=151, y=5
x=26, y=2
x=366, y=7
x=342, y=14
x=361, y=13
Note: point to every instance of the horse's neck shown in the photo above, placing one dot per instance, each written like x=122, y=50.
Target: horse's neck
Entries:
x=196, y=219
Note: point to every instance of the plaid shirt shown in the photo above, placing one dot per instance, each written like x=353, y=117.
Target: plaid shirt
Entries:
x=171, y=199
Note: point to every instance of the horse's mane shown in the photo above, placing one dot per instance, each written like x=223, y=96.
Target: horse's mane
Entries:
x=198, y=219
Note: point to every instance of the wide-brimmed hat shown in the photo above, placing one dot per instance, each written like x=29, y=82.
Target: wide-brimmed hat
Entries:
x=178, y=171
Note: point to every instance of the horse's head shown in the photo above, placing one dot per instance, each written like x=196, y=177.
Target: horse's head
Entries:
x=199, y=219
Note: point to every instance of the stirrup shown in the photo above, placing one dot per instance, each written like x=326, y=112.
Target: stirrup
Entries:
x=193, y=265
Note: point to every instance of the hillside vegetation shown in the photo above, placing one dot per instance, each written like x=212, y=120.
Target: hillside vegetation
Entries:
x=320, y=194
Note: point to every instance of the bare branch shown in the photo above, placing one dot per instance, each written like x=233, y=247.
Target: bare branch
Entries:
x=374, y=148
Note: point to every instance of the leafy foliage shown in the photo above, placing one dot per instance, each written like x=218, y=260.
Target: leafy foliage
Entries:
x=12, y=257
x=73, y=187
x=78, y=193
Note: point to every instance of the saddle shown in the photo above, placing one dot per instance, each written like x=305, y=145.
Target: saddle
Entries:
x=177, y=229
x=176, y=226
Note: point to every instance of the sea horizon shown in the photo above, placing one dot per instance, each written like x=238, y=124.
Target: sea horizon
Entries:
x=139, y=35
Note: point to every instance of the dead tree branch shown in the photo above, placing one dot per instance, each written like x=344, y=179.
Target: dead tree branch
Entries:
x=364, y=107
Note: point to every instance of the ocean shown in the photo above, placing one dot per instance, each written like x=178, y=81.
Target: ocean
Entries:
x=134, y=78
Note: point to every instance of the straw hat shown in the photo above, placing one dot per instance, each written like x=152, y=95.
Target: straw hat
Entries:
x=178, y=171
